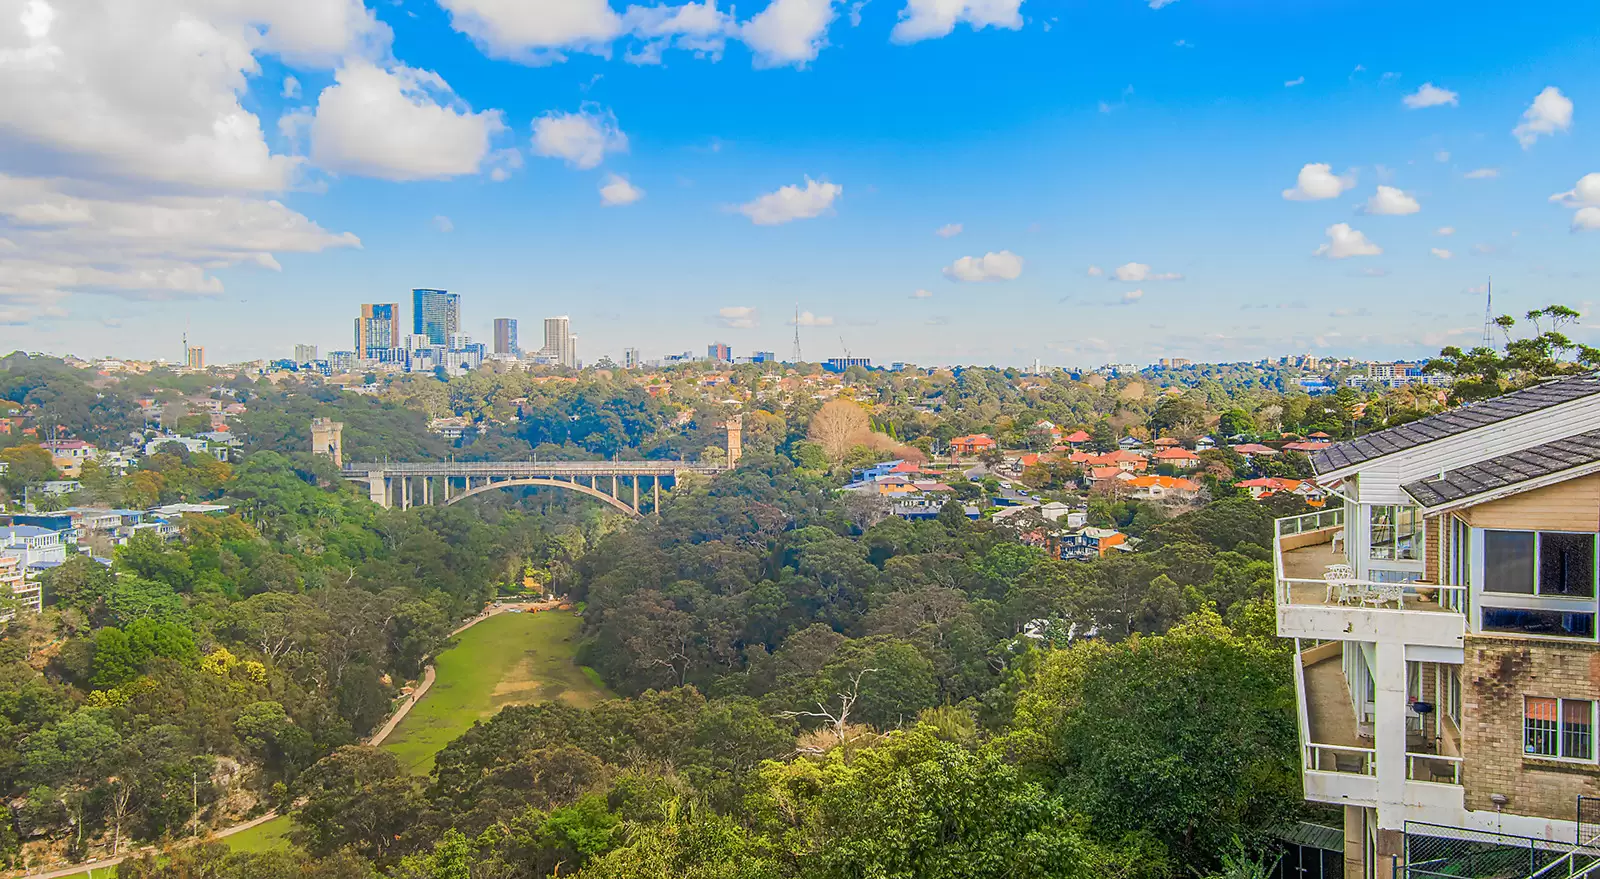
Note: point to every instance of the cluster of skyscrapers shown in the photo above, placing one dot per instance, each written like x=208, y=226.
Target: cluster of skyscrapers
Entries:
x=435, y=339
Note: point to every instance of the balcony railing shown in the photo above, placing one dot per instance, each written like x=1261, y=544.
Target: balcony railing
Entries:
x=1434, y=768
x=1317, y=521
x=1372, y=594
x=1338, y=758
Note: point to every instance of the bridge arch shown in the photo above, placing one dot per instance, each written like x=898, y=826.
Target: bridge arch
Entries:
x=546, y=483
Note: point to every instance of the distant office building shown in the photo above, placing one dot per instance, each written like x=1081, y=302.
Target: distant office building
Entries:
x=458, y=341
x=840, y=364
x=763, y=357
x=305, y=353
x=719, y=352
x=630, y=358
x=342, y=361
x=560, y=345
x=415, y=342
x=377, y=329
x=435, y=314
x=505, y=335
x=195, y=357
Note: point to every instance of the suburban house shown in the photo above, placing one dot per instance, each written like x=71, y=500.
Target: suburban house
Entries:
x=1164, y=487
x=1249, y=451
x=1089, y=543
x=1443, y=611
x=15, y=583
x=68, y=455
x=971, y=444
x=1267, y=486
x=1181, y=458
x=1076, y=438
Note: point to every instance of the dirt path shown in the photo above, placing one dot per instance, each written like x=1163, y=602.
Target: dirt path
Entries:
x=377, y=738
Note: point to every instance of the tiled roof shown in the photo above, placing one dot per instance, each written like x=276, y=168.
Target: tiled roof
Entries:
x=1507, y=470
x=1455, y=421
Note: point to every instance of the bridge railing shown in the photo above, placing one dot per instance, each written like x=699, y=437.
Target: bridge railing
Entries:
x=529, y=468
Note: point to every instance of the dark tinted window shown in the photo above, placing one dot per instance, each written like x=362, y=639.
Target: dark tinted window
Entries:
x=1508, y=561
x=1538, y=622
x=1566, y=564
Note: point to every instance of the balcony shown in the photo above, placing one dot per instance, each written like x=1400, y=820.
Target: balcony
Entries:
x=1310, y=605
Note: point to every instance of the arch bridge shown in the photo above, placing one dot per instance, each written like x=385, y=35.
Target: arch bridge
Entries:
x=617, y=483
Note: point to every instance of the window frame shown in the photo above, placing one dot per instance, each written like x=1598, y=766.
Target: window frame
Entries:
x=1538, y=564
x=1559, y=733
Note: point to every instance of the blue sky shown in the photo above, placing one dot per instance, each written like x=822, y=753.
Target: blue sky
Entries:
x=1065, y=140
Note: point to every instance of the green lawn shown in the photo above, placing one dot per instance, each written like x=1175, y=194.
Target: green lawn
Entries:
x=509, y=659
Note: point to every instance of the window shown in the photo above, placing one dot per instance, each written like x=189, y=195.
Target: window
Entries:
x=1554, y=564
x=1554, y=623
x=1508, y=561
x=1566, y=565
x=1396, y=533
x=1561, y=728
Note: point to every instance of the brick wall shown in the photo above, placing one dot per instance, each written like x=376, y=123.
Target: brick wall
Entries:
x=1432, y=527
x=1498, y=673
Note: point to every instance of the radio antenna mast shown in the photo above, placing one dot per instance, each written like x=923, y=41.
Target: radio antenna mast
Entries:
x=796, y=356
x=1488, y=313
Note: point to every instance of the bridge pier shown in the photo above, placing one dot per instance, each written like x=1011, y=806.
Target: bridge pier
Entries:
x=378, y=490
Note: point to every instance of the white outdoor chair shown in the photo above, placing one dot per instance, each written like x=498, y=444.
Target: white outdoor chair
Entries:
x=1338, y=540
x=1338, y=584
x=1380, y=594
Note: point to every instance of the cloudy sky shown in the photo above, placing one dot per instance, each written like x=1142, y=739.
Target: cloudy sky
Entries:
x=940, y=181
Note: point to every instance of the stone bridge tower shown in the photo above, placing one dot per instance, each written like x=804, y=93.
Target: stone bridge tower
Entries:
x=327, y=438
x=735, y=427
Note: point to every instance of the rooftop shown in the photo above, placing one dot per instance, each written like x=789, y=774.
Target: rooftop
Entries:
x=1507, y=470
x=1454, y=422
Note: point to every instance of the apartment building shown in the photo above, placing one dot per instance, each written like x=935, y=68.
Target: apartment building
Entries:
x=1443, y=611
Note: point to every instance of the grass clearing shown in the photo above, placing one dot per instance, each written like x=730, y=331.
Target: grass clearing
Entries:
x=508, y=659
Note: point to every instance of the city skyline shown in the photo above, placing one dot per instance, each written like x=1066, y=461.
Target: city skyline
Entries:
x=1213, y=184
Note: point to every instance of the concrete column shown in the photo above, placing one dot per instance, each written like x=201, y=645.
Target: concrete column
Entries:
x=1389, y=733
x=613, y=485
x=655, y=484
x=405, y=493
x=636, y=494
x=427, y=491
x=378, y=490
x=1355, y=842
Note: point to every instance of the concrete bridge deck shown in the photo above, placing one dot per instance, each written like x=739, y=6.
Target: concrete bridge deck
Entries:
x=408, y=483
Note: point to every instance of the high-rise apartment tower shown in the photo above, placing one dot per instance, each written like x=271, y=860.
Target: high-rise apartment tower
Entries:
x=435, y=314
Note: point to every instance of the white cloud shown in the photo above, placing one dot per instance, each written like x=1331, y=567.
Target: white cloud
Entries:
x=1389, y=201
x=291, y=87
x=928, y=19
x=1587, y=192
x=1345, y=242
x=1001, y=266
x=807, y=319
x=788, y=32
x=534, y=31
x=399, y=124
x=1137, y=271
x=442, y=223
x=1132, y=296
x=582, y=139
x=1445, y=230
x=922, y=294
x=1550, y=112
x=949, y=230
x=151, y=91
x=1291, y=83
x=1586, y=198
x=792, y=203
x=1157, y=4
x=1317, y=181
x=1095, y=271
x=1482, y=174
x=1442, y=156
x=700, y=27
x=1431, y=95
x=616, y=191
x=143, y=247
x=738, y=317
x=1440, y=252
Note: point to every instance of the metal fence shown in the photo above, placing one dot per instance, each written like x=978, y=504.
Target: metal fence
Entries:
x=1433, y=850
x=1589, y=820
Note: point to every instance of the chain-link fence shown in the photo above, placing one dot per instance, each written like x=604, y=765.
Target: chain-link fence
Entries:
x=1434, y=850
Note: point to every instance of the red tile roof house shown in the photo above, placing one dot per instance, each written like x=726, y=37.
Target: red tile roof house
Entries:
x=1165, y=442
x=1164, y=486
x=1268, y=486
x=1249, y=450
x=971, y=444
x=1075, y=438
x=1177, y=457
